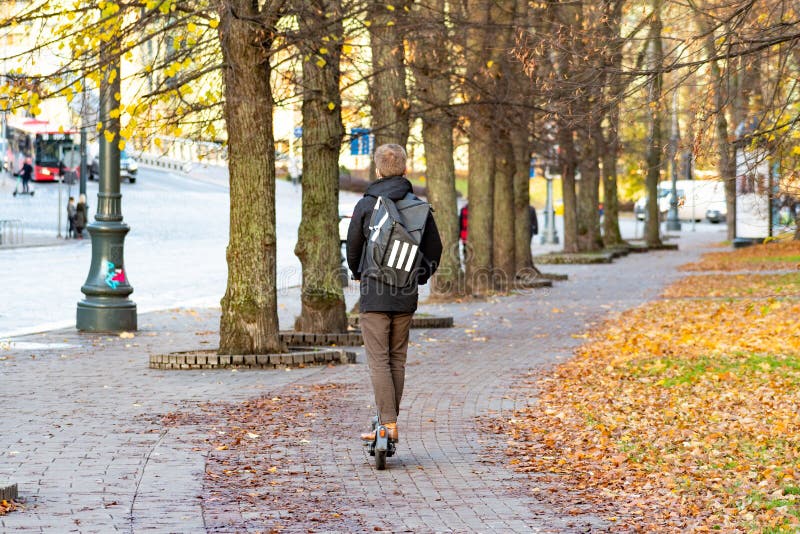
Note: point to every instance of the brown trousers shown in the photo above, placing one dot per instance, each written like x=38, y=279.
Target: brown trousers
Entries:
x=386, y=344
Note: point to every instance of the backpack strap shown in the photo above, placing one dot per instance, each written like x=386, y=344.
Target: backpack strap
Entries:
x=374, y=228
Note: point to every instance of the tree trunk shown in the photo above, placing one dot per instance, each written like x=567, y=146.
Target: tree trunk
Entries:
x=503, y=242
x=611, y=232
x=481, y=197
x=387, y=91
x=318, y=248
x=249, y=323
x=567, y=159
x=431, y=65
x=588, y=190
x=522, y=120
x=726, y=165
x=481, y=153
x=522, y=202
x=610, y=151
x=437, y=135
x=654, y=139
x=500, y=73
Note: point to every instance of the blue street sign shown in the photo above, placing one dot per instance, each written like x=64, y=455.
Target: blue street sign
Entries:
x=360, y=142
x=298, y=132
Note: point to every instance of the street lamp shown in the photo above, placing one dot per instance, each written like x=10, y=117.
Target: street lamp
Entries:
x=84, y=169
x=107, y=307
x=550, y=234
x=673, y=221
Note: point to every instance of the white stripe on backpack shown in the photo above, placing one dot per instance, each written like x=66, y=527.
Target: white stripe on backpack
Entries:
x=411, y=256
x=401, y=258
x=393, y=253
x=401, y=254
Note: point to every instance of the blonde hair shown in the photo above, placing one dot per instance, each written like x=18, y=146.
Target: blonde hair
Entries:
x=390, y=160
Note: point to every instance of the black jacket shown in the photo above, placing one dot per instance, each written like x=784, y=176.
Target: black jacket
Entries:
x=375, y=295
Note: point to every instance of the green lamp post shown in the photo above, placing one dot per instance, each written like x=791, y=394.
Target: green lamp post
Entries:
x=106, y=307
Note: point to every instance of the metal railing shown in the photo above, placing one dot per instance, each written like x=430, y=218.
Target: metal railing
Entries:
x=11, y=232
x=182, y=150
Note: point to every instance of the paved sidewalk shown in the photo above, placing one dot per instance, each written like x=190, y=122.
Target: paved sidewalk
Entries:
x=82, y=435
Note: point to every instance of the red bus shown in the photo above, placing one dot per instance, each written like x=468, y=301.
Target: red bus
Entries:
x=48, y=148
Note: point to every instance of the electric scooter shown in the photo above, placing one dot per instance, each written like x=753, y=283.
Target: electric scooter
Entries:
x=381, y=447
x=18, y=188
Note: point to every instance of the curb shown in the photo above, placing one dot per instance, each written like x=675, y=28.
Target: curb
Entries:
x=297, y=357
x=165, y=163
x=53, y=243
x=561, y=258
x=530, y=284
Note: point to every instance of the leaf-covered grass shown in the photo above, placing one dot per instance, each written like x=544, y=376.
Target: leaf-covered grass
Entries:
x=7, y=506
x=766, y=257
x=736, y=285
x=686, y=413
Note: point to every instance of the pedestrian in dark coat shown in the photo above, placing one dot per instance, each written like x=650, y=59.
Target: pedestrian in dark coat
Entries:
x=534, y=221
x=72, y=211
x=26, y=173
x=80, y=216
x=463, y=226
x=386, y=311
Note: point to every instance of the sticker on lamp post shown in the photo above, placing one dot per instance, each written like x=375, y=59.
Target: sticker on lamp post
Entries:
x=114, y=275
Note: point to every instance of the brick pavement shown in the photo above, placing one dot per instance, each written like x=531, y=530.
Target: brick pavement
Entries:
x=82, y=435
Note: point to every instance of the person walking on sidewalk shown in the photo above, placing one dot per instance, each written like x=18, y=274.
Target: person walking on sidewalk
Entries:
x=26, y=173
x=80, y=216
x=385, y=310
x=72, y=212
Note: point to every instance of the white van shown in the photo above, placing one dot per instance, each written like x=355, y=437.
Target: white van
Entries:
x=696, y=200
x=700, y=197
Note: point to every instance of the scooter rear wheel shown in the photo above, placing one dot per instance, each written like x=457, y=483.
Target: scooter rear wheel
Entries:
x=380, y=460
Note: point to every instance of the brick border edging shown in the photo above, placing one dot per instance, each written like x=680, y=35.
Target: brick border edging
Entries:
x=530, y=284
x=578, y=258
x=8, y=493
x=618, y=251
x=554, y=276
x=194, y=360
x=340, y=339
x=433, y=321
x=640, y=246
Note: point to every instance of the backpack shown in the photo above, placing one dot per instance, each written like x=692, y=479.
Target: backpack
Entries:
x=392, y=253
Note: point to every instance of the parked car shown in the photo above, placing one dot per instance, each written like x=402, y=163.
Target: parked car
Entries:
x=640, y=207
x=716, y=216
x=128, y=168
x=696, y=199
x=345, y=214
x=717, y=209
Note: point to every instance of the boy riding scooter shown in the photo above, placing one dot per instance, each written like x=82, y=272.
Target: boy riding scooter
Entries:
x=25, y=175
x=393, y=245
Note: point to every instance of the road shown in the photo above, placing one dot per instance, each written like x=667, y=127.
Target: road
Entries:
x=174, y=253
